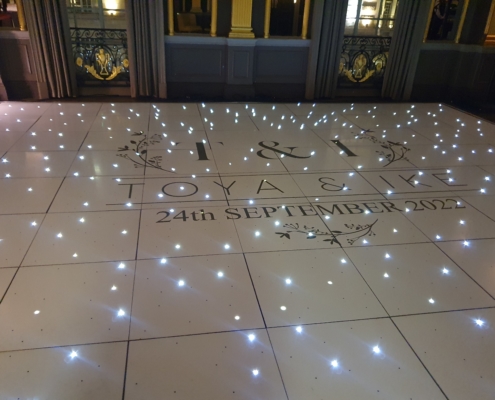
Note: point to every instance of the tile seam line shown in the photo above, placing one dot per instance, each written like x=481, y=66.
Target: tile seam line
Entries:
x=133, y=285
x=420, y=360
x=242, y=252
x=241, y=330
x=23, y=258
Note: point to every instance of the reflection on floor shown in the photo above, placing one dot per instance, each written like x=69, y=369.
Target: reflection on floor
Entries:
x=246, y=251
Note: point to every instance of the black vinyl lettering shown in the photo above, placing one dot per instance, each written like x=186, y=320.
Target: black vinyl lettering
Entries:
x=456, y=204
x=446, y=179
x=167, y=214
x=369, y=206
x=388, y=204
x=387, y=182
x=267, y=213
x=428, y=205
x=182, y=215
x=310, y=209
x=227, y=189
x=249, y=210
x=205, y=214
x=131, y=185
x=415, y=206
x=286, y=208
x=354, y=207
x=180, y=183
x=443, y=204
x=332, y=211
x=339, y=188
x=273, y=186
x=230, y=212
x=342, y=147
x=200, y=146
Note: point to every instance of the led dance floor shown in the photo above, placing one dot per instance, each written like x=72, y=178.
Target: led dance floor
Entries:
x=246, y=251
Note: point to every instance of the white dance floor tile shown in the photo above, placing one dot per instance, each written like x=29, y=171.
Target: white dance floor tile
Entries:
x=246, y=250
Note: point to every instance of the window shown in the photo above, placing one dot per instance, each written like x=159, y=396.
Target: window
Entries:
x=192, y=16
x=272, y=18
x=286, y=17
x=370, y=17
x=96, y=14
x=82, y=5
x=8, y=15
x=490, y=27
x=446, y=20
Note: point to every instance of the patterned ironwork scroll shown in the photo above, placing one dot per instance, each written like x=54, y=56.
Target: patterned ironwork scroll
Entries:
x=363, y=59
x=101, y=56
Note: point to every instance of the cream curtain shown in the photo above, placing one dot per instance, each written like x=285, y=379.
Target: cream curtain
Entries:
x=326, y=45
x=146, y=41
x=50, y=40
x=3, y=91
x=410, y=25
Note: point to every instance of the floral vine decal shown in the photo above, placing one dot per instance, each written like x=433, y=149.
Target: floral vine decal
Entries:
x=137, y=152
x=395, y=151
x=354, y=232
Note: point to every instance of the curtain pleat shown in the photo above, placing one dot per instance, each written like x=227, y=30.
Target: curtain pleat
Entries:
x=3, y=91
x=49, y=35
x=330, y=47
x=410, y=25
x=146, y=41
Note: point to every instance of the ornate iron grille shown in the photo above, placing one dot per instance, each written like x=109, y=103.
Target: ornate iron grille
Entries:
x=100, y=56
x=363, y=59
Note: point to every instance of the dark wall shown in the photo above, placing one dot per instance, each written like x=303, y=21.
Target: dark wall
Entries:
x=455, y=72
x=258, y=22
x=224, y=17
x=236, y=69
x=475, y=22
x=17, y=66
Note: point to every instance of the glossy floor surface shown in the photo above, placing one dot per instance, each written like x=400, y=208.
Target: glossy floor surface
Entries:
x=246, y=251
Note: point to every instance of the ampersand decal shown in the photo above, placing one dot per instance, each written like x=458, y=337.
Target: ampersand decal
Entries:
x=272, y=148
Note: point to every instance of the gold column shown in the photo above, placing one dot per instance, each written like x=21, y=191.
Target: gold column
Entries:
x=461, y=22
x=489, y=19
x=304, y=34
x=20, y=15
x=171, y=17
x=432, y=6
x=214, y=17
x=268, y=11
x=242, y=12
